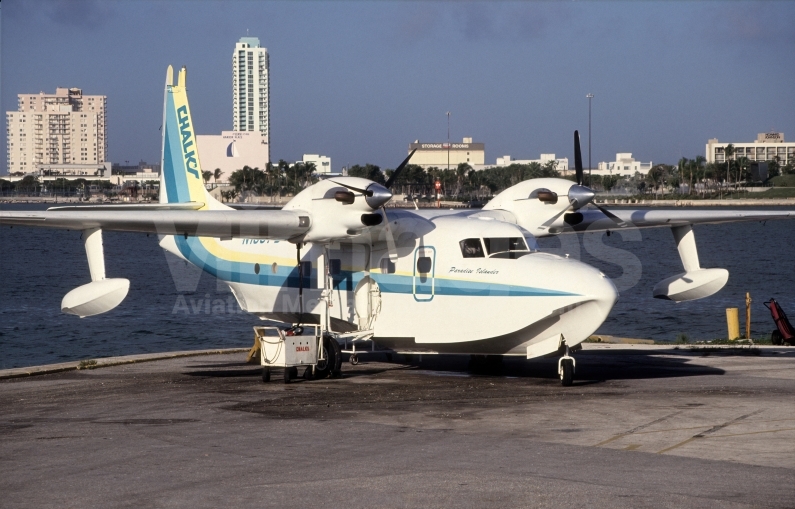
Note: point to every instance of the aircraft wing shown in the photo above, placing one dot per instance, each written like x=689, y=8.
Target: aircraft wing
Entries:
x=595, y=220
x=259, y=224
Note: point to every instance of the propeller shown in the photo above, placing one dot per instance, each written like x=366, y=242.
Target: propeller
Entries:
x=375, y=194
x=579, y=195
x=390, y=240
x=397, y=171
x=577, y=158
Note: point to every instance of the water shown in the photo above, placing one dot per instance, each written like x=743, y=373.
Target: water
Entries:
x=40, y=266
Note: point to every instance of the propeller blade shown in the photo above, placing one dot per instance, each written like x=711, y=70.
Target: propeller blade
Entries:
x=577, y=158
x=390, y=240
x=365, y=192
x=397, y=171
x=620, y=222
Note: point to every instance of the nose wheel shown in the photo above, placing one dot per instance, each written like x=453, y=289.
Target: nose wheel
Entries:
x=566, y=368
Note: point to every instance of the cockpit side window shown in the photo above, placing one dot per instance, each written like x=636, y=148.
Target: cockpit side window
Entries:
x=506, y=247
x=471, y=248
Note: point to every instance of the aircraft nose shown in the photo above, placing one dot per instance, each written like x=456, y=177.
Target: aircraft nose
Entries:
x=584, y=283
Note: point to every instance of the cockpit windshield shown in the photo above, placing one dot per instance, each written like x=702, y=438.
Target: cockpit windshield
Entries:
x=505, y=247
x=471, y=248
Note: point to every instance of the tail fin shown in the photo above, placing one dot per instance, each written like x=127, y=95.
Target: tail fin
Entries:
x=180, y=170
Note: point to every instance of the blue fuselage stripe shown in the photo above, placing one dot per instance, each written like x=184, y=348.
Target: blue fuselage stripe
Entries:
x=287, y=277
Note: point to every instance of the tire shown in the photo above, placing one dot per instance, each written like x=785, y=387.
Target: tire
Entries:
x=308, y=373
x=354, y=359
x=289, y=374
x=776, y=338
x=332, y=365
x=266, y=375
x=567, y=372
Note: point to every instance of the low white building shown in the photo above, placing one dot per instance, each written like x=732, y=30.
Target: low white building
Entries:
x=767, y=147
x=322, y=163
x=561, y=163
x=624, y=166
x=53, y=172
x=231, y=150
x=444, y=154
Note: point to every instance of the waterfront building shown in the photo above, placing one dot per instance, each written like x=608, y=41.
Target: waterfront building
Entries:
x=767, y=147
x=250, y=87
x=624, y=166
x=561, y=163
x=64, y=128
x=231, y=150
x=322, y=163
x=437, y=154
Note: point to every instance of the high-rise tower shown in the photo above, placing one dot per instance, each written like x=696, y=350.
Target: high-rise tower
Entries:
x=66, y=127
x=250, y=87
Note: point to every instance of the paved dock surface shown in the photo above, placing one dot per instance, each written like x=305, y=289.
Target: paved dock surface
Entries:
x=643, y=426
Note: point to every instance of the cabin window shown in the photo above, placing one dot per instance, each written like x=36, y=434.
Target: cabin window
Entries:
x=471, y=248
x=505, y=247
x=424, y=264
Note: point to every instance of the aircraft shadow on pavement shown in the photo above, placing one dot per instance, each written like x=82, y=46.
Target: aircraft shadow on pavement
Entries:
x=592, y=367
x=627, y=365
x=250, y=371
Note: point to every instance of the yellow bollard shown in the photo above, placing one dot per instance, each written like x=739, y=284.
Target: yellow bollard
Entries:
x=733, y=321
x=747, y=315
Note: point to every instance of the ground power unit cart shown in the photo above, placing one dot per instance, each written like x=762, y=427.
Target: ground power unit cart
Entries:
x=297, y=349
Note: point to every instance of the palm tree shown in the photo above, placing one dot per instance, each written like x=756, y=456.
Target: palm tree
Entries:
x=217, y=174
x=206, y=176
x=685, y=165
x=697, y=165
x=729, y=152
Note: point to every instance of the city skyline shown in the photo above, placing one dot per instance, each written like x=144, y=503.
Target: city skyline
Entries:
x=359, y=82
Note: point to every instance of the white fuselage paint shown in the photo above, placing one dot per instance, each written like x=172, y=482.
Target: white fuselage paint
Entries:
x=484, y=305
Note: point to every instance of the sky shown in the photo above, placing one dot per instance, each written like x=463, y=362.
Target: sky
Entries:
x=359, y=81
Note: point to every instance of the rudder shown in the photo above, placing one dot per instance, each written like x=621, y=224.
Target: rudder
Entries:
x=180, y=171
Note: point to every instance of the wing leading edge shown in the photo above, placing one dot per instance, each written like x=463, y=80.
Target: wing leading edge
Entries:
x=594, y=220
x=256, y=224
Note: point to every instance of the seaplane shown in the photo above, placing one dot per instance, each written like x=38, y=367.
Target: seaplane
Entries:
x=463, y=281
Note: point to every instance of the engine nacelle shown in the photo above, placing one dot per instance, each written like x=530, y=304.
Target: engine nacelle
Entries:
x=338, y=207
x=95, y=297
x=692, y=285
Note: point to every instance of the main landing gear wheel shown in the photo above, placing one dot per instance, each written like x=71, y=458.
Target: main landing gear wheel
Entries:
x=332, y=364
x=776, y=338
x=308, y=373
x=354, y=359
x=266, y=374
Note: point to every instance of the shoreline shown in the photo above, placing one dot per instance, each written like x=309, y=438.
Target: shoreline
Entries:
x=751, y=202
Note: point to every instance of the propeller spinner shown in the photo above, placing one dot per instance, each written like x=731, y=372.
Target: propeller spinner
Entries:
x=579, y=195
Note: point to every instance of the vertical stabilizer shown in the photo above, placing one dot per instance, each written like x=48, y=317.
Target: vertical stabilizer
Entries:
x=181, y=172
